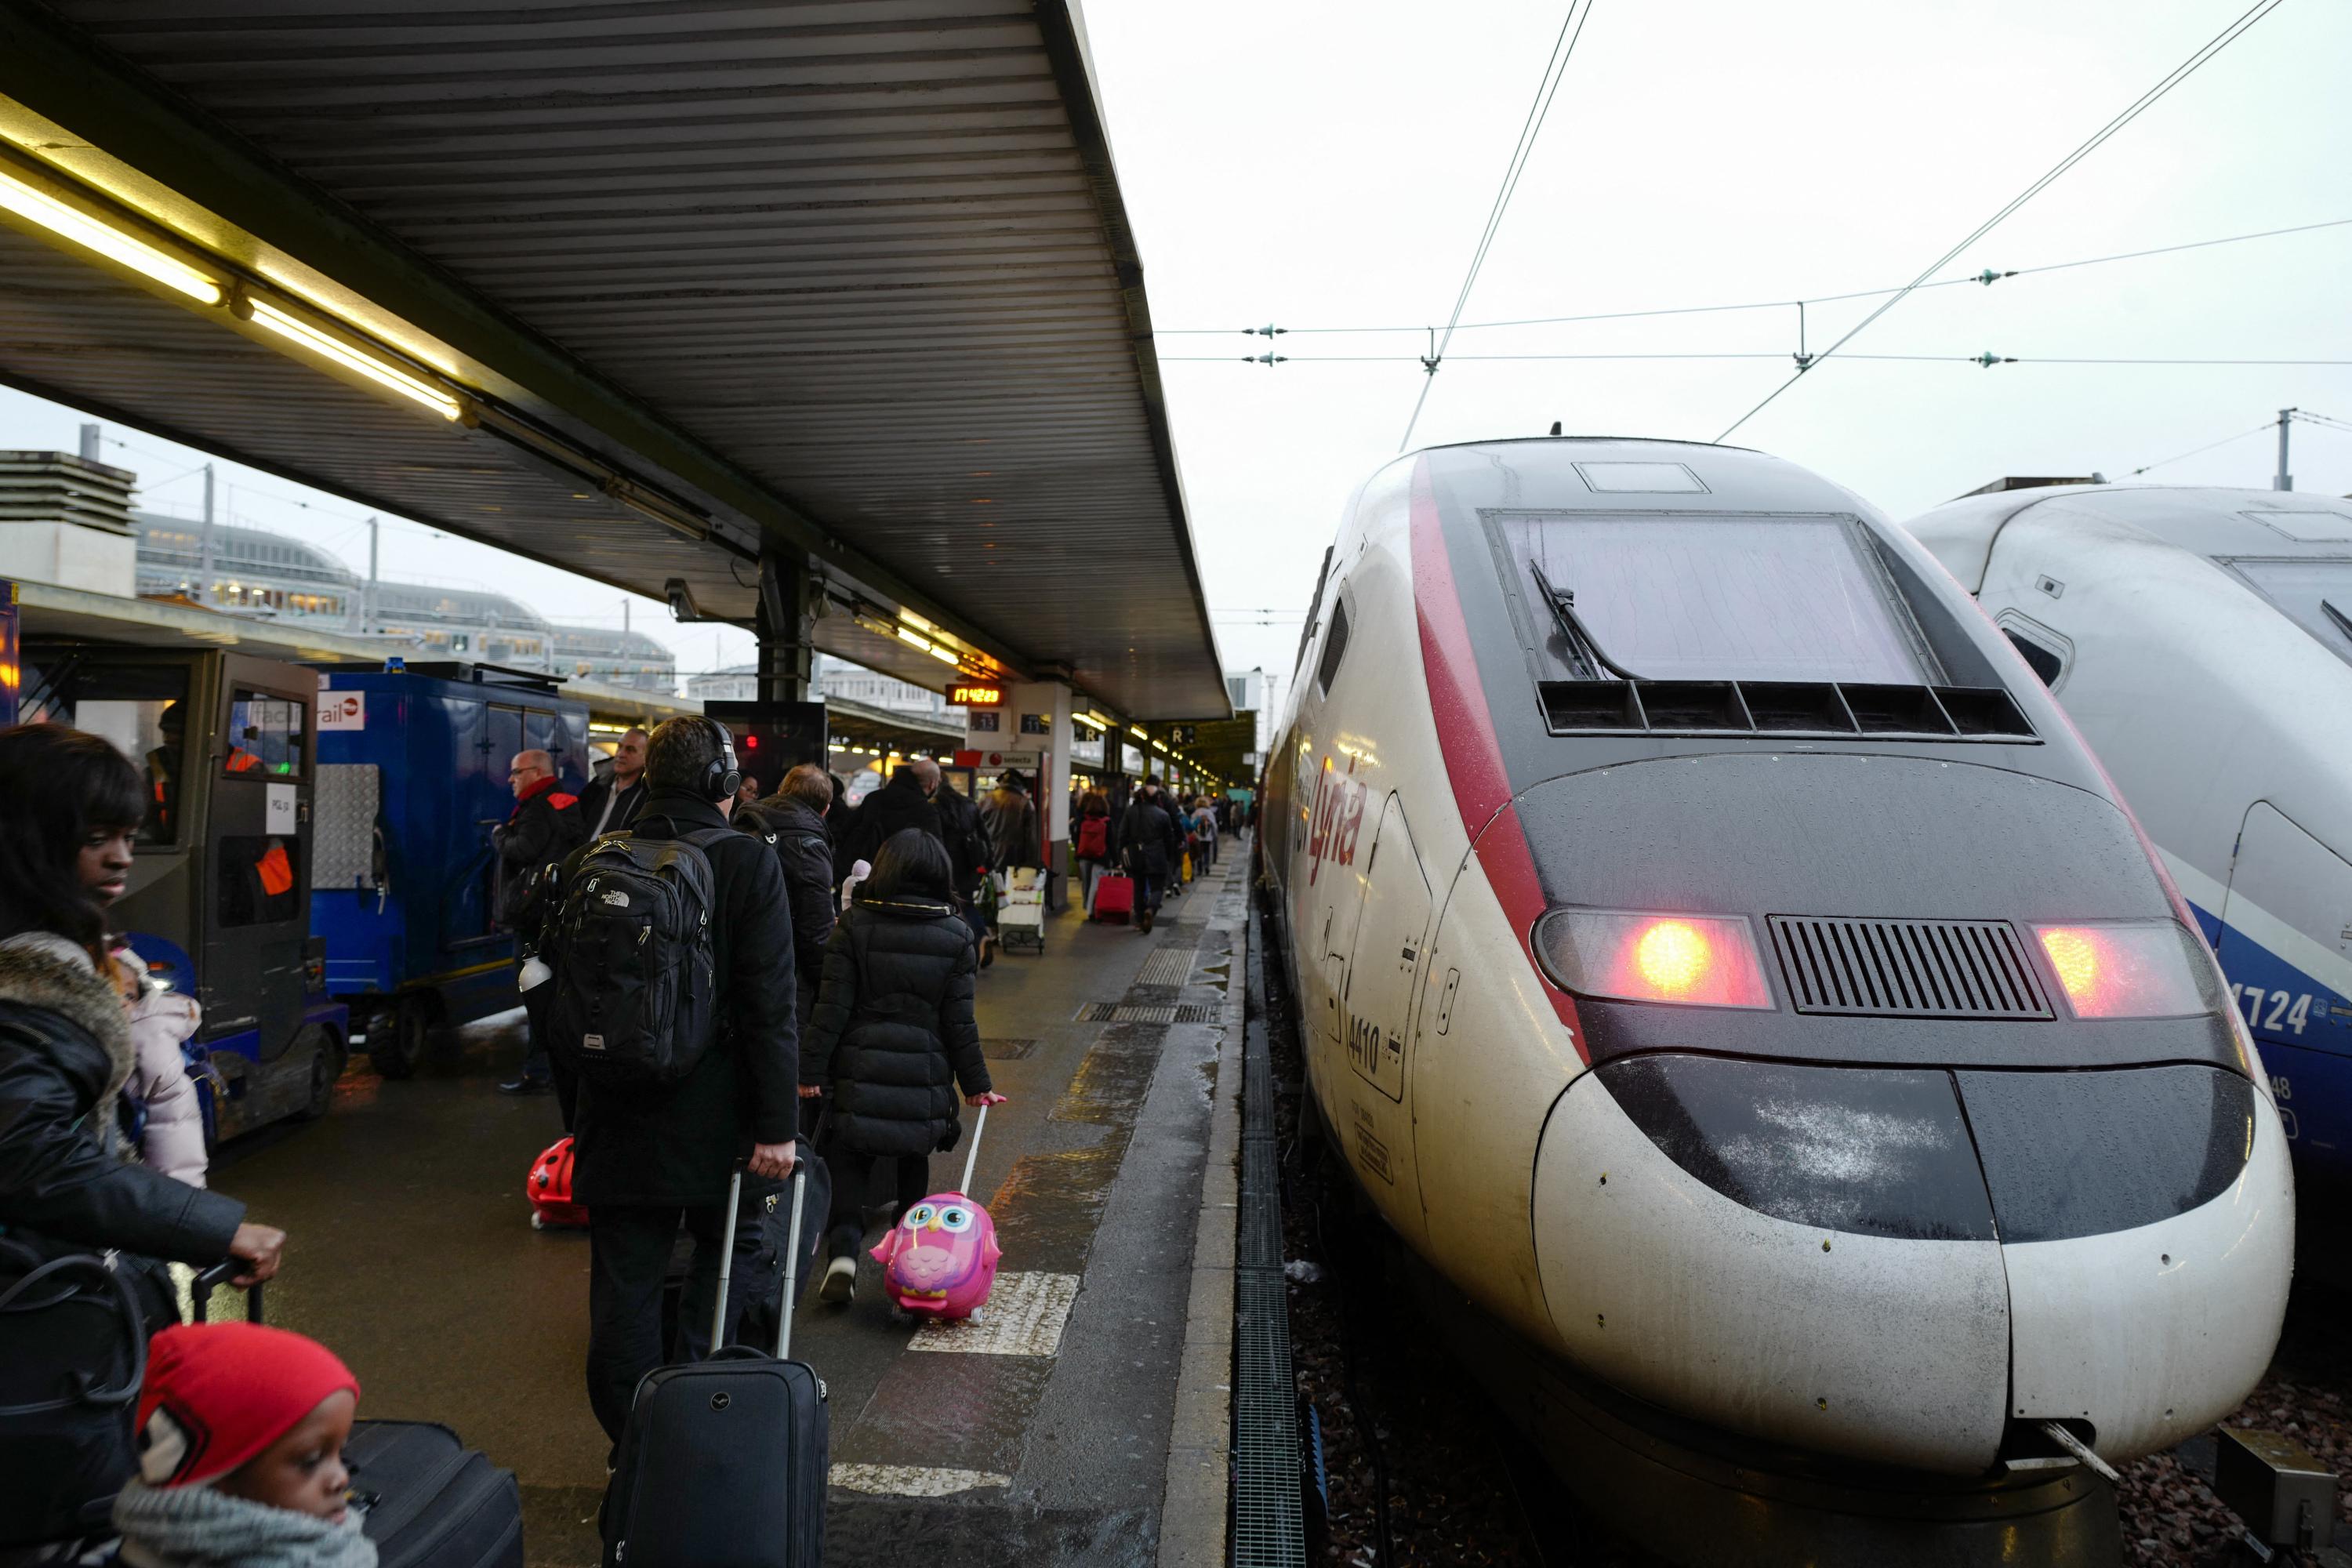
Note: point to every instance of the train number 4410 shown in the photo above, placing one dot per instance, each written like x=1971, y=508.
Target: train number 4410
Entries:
x=2272, y=1010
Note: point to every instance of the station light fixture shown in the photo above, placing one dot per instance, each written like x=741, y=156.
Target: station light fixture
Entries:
x=318, y=341
x=1136, y=730
x=1090, y=722
x=69, y=223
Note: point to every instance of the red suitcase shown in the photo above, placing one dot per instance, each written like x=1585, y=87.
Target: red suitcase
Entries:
x=550, y=1186
x=1114, y=897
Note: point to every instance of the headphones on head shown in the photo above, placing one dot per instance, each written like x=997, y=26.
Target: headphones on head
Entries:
x=722, y=778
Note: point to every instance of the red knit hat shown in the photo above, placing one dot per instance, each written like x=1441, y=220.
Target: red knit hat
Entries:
x=218, y=1393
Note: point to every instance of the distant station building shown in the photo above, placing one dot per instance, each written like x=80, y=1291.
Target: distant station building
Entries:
x=833, y=678
x=256, y=571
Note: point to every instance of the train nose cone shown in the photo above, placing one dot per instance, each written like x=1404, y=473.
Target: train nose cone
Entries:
x=1815, y=1255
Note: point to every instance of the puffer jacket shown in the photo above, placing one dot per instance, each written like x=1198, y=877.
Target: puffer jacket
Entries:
x=173, y=1139
x=893, y=1033
x=69, y=1181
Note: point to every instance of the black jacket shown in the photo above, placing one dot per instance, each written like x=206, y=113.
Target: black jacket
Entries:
x=68, y=1182
x=541, y=831
x=967, y=845
x=896, y=807
x=805, y=855
x=1147, y=836
x=893, y=1032
x=625, y=810
x=679, y=1144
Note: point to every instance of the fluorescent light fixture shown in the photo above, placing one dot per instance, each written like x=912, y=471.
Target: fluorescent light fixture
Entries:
x=1136, y=730
x=1090, y=722
x=916, y=621
x=31, y=201
x=945, y=656
x=382, y=372
x=915, y=639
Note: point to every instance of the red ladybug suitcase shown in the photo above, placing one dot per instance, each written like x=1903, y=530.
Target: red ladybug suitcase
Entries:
x=550, y=1186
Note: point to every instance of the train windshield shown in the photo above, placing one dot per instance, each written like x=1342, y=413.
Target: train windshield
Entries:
x=1707, y=598
x=2315, y=594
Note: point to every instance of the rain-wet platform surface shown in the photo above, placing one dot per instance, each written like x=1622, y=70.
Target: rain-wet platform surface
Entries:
x=1040, y=1435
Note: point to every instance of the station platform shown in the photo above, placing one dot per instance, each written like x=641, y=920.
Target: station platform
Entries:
x=1084, y=1421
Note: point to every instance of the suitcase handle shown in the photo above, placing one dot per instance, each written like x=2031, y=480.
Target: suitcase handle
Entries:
x=727, y=1257
x=212, y=1279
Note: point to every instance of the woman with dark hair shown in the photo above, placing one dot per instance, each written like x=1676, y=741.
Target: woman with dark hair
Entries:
x=70, y=1183
x=893, y=1038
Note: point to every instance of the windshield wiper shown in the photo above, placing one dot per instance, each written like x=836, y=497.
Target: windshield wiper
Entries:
x=2342, y=622
x=1573, y=631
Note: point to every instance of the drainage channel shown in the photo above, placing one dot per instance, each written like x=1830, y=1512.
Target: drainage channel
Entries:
x=1269, y=1529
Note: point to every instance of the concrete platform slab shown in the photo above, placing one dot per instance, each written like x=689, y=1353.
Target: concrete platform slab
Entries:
x=1042, y=1435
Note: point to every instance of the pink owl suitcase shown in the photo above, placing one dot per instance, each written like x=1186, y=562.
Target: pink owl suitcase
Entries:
x=939, y=1260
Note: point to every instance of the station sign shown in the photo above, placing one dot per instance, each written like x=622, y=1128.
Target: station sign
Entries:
x=975, y=694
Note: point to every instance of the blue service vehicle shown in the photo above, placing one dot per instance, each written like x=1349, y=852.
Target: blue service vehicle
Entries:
x=412, y=777
x=219, y=904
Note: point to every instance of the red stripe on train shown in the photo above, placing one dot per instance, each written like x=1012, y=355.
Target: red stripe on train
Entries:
x=1465, y=735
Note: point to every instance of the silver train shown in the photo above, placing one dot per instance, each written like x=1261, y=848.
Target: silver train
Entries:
x=2202, y=641
x=1721, y=964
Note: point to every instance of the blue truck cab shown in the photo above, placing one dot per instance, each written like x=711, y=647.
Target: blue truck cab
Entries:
x=413, y=765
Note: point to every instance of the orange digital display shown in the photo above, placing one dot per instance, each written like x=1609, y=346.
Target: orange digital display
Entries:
x=970, y=694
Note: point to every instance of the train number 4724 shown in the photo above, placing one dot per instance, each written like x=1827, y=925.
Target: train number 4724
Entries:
x=2278, y=1011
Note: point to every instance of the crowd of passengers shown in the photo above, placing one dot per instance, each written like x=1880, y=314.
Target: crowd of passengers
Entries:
x=844, y=946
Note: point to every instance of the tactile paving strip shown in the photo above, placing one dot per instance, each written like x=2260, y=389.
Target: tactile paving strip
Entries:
x=1169, y=966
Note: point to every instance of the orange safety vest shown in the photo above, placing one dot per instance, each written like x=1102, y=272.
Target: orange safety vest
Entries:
x=276, y=871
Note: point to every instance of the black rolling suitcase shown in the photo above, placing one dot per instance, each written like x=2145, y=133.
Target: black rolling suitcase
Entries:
x=723, y=1461
x=422, y=1497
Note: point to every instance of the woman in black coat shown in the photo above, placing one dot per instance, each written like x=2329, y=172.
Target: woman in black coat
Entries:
x=70, y=1183
x=893, y=1038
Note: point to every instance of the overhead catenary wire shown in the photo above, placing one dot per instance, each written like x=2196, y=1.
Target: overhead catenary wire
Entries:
x=1982, y=279
x=2193, y=451
x=1563, y=49
x=2179, y=74
x=1975, y=359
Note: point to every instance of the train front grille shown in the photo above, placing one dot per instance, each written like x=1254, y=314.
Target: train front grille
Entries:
x=1907, y=969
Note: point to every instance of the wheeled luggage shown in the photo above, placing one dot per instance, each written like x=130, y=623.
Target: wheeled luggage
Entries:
x=940, y=1260
x=1114, y=897
x=548, y=1188
x=723, y=1462
x=428, y=1501
x=761, y=1295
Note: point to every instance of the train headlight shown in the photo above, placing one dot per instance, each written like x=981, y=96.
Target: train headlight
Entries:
x=2142, y=970
x=1705, y=960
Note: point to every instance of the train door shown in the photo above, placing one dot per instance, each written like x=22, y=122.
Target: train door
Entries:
x=256, y=907
x=1375, y=1004
x=2286, y=947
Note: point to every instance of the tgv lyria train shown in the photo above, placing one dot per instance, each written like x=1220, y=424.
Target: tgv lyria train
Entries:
x=1720, y=961
x=2202, y=641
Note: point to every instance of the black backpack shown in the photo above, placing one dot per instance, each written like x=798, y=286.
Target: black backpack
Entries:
x=634, y=990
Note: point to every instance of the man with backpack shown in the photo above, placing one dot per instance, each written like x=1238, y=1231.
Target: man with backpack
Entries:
x=673, y=1000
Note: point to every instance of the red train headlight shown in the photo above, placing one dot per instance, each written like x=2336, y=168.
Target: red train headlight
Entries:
x=1708, y=961
x=2127, y=971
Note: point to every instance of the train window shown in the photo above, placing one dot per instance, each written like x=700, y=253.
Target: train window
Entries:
x=2315, y=593
x=142, y=710
x=1713, y=599
x=1334, y=648
x=264, y=735
x=255, y=878
x=1647, y=478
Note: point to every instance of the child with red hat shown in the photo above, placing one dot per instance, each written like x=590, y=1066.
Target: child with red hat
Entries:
x=241, y=1433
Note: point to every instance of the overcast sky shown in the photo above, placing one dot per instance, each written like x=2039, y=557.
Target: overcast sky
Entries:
x=1325, y=165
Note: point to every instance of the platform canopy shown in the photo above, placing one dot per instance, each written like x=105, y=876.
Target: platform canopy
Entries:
x=649, y=292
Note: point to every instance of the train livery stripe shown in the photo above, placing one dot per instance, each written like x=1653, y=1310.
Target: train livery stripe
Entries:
x=1458, y=699
x=1465, y=736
